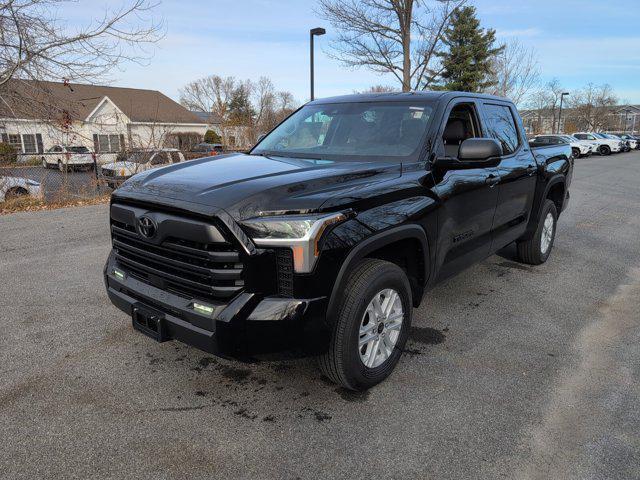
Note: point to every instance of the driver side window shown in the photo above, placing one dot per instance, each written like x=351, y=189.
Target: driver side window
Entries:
x=461, y=125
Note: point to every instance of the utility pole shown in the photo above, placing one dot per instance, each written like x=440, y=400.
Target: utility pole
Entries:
x=313, y=33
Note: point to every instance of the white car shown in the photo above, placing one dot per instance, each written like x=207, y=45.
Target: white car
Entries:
x=117, y=172
x=579, y=148
x=13, y=187
x=68, y=157
x=605, y=145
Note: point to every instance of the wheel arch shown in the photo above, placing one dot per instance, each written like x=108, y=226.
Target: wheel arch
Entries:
x=381, y=245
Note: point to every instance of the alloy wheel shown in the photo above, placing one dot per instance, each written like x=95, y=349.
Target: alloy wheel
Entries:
x=547, y=233
x=380, y=328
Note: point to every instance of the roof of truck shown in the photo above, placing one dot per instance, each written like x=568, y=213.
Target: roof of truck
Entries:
x=403, y=96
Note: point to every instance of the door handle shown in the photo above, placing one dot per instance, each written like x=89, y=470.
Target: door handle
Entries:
x=492, y=180
x=531, y=169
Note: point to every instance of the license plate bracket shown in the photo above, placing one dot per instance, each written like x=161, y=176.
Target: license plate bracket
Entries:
x=149, y=321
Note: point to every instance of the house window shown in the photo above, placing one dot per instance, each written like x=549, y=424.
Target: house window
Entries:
x=107, y=143
x=14, y=141
x=29, y=142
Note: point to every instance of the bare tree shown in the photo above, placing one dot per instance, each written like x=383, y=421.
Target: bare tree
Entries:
x=378, y=89
x=399, y=37
x=516, y=71
x=209, y=94
x=546, y=101
x=592, y=106
x=244, y=108
x=35, y=44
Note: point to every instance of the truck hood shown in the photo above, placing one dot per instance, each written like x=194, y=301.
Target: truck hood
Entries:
x=247, y=185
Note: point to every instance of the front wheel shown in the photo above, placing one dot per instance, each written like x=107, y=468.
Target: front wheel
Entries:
x=604, y=150
x=374, y=319
x=537, y=249
x=576, y=152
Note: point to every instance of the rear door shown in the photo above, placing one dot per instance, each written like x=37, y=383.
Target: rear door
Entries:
x=517, y=173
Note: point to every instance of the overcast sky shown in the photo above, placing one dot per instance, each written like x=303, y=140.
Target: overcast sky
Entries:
x=577, y=41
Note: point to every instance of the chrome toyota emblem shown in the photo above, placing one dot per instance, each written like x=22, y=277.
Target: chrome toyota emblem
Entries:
x=147, y=227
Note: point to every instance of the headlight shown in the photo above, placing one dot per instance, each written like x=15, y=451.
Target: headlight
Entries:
x=301, y=233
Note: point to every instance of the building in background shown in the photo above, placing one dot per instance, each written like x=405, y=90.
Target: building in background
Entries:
x=35, y=116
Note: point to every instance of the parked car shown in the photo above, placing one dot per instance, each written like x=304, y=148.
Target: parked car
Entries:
x=579, y=148
x=139, y=161
x=208, y=148
x=634, y=140
x=606, y=146
x=629, y=143
x=68, y=158
x=331, y=229
x=14, y=187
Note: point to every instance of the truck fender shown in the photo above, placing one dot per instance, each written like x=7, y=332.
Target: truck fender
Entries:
x=537, y=206
x=375, y=242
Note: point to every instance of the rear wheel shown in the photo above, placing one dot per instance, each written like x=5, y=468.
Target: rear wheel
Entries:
x=537, y=249
x=374, y=318
x=576, y=152
x=604, y=150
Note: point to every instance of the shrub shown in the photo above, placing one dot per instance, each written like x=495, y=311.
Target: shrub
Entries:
x=7, y=153
x=212, y=137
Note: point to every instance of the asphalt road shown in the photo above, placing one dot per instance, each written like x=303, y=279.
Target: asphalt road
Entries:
x=511, y=372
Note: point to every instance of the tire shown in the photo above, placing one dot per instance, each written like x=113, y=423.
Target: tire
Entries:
x=533, y=251
x=576, y=152
x=604, y=150
x=343, y=363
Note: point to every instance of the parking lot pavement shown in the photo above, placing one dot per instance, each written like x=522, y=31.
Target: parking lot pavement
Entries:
x=511, y=371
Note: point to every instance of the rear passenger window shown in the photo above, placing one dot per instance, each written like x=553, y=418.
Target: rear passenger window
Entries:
x=502, y=127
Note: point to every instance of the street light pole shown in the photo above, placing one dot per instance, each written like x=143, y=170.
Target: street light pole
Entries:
x=312, y=33
x=560, y=113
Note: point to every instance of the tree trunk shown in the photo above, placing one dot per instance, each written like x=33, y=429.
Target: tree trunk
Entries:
x=406, y=10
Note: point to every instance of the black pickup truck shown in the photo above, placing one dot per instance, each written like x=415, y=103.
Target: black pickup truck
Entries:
x=333, y=227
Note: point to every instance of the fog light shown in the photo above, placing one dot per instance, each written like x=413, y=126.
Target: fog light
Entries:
x=118, y=274
x=206, y=309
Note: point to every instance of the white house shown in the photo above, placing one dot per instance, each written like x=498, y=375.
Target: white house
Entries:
x=34, y=116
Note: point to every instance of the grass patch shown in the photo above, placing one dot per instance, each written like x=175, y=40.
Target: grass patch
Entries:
x=32, y=204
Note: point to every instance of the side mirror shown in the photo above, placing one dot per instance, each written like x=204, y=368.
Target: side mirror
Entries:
x=473, y=153
x=479, y=150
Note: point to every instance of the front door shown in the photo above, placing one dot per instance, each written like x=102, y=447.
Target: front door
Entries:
x=468, y=196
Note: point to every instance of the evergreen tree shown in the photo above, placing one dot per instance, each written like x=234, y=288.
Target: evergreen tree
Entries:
x=468, y=55
x=212, y=137
x=240, y=110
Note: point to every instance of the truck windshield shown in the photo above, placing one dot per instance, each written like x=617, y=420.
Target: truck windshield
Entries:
x=349, y=131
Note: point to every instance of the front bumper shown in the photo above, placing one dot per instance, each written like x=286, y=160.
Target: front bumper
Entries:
x=229, y=330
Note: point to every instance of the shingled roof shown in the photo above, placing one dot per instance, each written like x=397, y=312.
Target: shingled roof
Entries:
x=38, y=100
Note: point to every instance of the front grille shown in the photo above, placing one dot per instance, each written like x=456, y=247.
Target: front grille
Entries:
x=284, y=263
x=209, y=271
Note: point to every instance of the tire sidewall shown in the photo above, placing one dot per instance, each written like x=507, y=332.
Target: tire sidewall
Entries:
x=360, y=375
x=605, y=150
x=548, y=207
